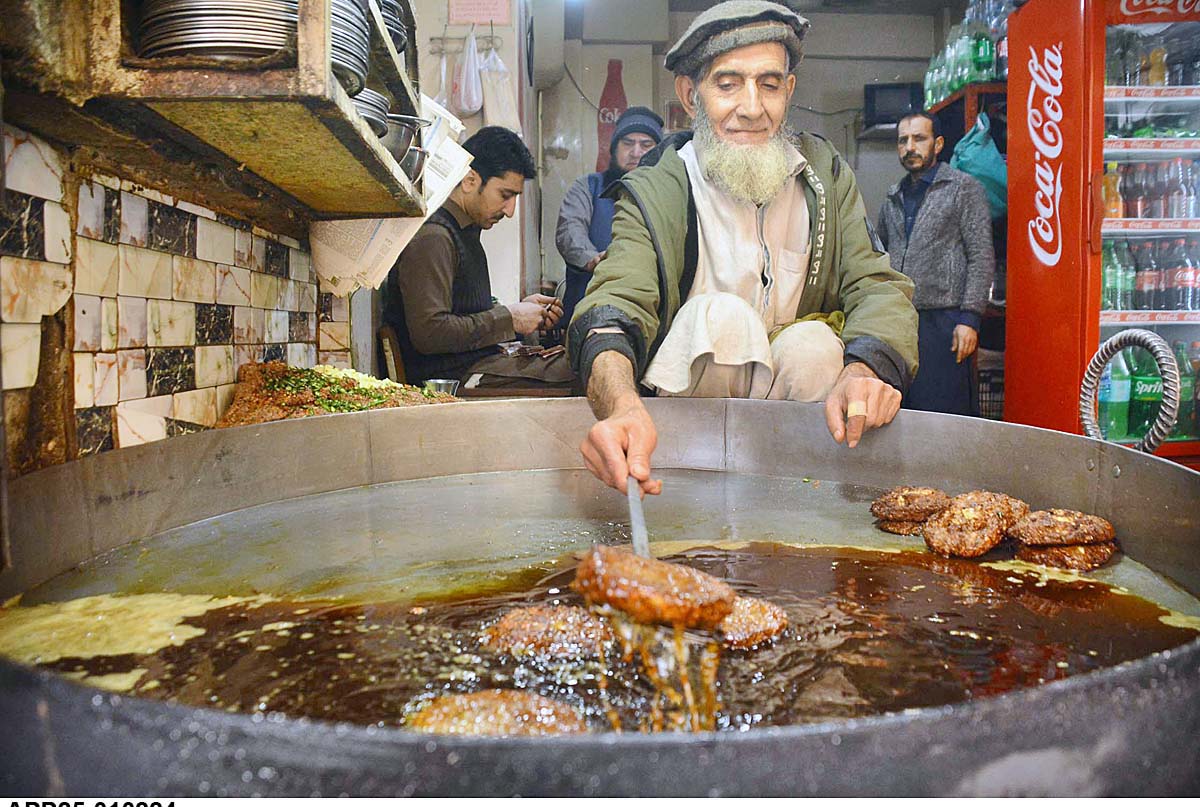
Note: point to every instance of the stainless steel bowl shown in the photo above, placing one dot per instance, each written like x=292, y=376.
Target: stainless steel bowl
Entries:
x=402, y=131
x=446, y=385
x=414, y=162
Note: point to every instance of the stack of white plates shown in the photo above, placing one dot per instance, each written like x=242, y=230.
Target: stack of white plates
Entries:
x=350, y=41
x=373, y=107
x=394, y=23
x=216, y=28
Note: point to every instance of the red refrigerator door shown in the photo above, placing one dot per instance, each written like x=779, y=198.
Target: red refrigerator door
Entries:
x=1055, y=108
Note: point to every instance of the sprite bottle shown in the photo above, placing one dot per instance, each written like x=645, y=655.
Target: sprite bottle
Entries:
x=1114, y=395
x=1185, y=424
x=1145, y=394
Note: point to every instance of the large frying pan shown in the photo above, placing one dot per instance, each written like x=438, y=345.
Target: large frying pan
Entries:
x=1129, y=730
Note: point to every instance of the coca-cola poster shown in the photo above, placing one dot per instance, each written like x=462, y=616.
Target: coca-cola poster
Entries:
x=612, y=106
x=1119, y=12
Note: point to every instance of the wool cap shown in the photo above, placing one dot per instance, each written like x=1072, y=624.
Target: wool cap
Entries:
x=736, y=24
x=638, y=119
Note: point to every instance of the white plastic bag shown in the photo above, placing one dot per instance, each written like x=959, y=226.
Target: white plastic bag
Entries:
x=499, y=103
x=443, y=93
x=466, y=97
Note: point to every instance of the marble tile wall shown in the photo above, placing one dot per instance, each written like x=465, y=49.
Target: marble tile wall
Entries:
x=333, y=329
x=164, y=299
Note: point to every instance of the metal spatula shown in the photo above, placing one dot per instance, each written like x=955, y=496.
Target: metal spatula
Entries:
x=637, y=519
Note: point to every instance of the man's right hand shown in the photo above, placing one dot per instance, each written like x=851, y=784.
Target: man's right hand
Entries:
x=527, y=316
x=622, y=441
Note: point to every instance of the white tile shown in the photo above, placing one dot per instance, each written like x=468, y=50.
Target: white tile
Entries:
x=247, y=354
x=277, y=326
x=108, y=323
x=135, y=220
x=301, y=355
x=334, y=336
x=195, y=280
x=90, y=215
x=283, y=239
x=107, y=181
x=308, y=298
x=32, y=166
x=233, y=285
x=243, y=246
x=131, y=322
x=214, y=365
x=85, y=380
x=128, y=186
x=264, y=290
x=214, y=241
x=97, y=267
x=58, y=233
x=291, y=294
x=258, y=254
x=300, y=265
x=108, y=379
x=88, y=313
x=196, y=406
x=335, y=358
x=135, y=428
x=145, y=273
x=249, y=325
x=161, y=405
x=20, y=346
x=131, y=370
x=202, y=212
x=224, y=398
x=170, y=324
x=32, y=289
x=340, y=310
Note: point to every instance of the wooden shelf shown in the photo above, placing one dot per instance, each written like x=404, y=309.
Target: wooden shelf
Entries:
x=278, y=141
x=970, y=95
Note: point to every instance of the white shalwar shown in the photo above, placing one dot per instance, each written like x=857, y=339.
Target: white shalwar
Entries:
x=736, y=335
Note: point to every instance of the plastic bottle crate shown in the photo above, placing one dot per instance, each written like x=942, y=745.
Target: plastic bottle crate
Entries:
x=991, y=394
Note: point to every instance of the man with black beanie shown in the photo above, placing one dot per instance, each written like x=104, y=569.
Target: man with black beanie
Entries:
x=585, y=219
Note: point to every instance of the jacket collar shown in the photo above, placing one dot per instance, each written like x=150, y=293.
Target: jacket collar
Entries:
x=943, y=176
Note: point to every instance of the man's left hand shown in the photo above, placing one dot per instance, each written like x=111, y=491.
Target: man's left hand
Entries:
x=552, y=309
x=963, y=342
x=859, y=401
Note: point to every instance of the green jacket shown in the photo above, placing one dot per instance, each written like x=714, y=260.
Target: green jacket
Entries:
x=651, y=263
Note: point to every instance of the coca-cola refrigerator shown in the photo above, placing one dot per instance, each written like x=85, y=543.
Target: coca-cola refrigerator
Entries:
x=1104, y=126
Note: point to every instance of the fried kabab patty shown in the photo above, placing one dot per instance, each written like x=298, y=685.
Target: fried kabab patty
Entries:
x=496, y=712
x=553, y=631
x=1008, y=509
x=909, y=504
x=1061, y=528
x=752, y=622
x=900, y=527
x=963, y=530
x=652, y=591
x=1082, y=557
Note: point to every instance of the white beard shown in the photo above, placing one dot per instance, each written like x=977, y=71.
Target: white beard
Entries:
x=748, y=173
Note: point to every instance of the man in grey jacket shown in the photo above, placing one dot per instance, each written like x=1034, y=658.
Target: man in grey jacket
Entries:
x=937, y=228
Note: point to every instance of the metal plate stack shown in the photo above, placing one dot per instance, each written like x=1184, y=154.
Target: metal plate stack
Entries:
x=373, y=108
x=222, y=29
x=350, y=39
x=394, y=23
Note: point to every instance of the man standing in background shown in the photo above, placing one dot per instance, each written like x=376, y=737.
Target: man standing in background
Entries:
x=937, y=228
x=585, y=219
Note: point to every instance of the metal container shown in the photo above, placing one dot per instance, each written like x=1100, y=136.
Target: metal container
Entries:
x=414, y=162
x=402, y=132
x=1126, y=730
x=446, y=385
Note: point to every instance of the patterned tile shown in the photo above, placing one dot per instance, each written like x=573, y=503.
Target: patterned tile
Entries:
x=277, y=326
x=131, y=374
x=22, y=226
x=197, y=406
x=214, y=366
x=171, y=230
x=243, y=249
x=170, y=324
x=30, y=290
x=58, y=233
x=214, y=324
x=301, y=355
x=145, y=273
x=98, y=268
x=247, y=354
x=274, y=353
x=85, y=380
x=135, y=220
x=135, y=427
x=170, y=370
x=214, y=241
x=235, y=223
x=301, y=327
x=112, y=216
x=233, y=285
x=94, y=429
x=299, y=265
x=334, y=358
x=90, y=213
x=277, y=259
x=308, y=298
x=249, y=325
x=334, y=336
x=325, y=307
x=108, y=323
x=31, y=166
x=131, y=322
x=195, y=209
x=108, y=383
x=225, y=394
x=178, y=428
x=195, y=280
x=258, y=254
x=88, y=313
x=20, y=348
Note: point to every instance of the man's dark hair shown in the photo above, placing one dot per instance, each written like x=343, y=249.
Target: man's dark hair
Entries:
x=917, y=113
x=497, y=151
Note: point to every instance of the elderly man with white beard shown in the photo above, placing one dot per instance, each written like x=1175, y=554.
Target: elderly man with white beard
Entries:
x=742, y=263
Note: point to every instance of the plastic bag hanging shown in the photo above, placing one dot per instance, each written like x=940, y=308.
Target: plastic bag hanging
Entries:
x=443, y=93
x=466, y=97
x=976, y=154
x=499, y=102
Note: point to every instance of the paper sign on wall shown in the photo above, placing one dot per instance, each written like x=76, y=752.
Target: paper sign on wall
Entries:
x=481, y=12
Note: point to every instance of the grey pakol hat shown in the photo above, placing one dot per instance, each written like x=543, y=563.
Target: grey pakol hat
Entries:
x=736, y=24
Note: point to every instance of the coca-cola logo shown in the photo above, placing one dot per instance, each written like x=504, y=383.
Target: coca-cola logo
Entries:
x=1044, y=113
x=610, y=114
x=1132, y=8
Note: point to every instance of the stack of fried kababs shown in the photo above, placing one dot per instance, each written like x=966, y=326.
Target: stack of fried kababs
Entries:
x=1067, y=539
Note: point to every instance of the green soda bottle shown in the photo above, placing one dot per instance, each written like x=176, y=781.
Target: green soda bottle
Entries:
x=1185, y=424
x=1145, y=395
x=1113, y=399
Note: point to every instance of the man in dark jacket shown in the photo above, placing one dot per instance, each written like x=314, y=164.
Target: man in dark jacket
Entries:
x=439, y=294
x=937, y=227
x=742, y=261
x=585, y=219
